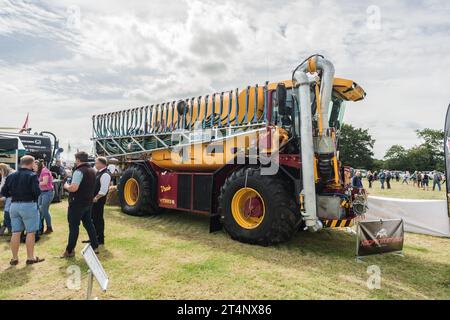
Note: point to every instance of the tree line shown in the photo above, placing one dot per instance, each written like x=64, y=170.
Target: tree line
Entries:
x=356, y=150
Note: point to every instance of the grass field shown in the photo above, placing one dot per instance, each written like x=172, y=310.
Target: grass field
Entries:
x=405, y=191
x=174, y=257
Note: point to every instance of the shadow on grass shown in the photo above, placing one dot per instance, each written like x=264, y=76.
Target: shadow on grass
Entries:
x=191, y=227
x=327, y=250
x=14, y=277
x=5, y=242
x=105, y=254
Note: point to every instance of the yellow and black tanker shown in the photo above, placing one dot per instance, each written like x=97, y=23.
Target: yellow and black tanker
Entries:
x=262, y=162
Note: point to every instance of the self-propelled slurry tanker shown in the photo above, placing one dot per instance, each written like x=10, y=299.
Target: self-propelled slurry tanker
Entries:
x=262, y=162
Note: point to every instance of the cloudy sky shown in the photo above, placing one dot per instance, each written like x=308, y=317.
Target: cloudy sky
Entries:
x=64, y=60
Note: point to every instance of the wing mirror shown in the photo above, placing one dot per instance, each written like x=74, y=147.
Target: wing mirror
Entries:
x=282, y=99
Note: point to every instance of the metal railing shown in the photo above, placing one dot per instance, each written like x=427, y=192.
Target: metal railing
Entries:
x=155, y=127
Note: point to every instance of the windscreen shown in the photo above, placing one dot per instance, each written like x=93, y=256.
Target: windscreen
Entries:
x=337, y=113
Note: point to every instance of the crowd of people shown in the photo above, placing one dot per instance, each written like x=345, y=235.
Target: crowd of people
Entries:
x=421, y=180
x=28, y=193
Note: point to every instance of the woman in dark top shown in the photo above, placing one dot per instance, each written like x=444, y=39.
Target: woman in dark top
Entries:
x=370, y=178
x=356, y=181
x=426, y=181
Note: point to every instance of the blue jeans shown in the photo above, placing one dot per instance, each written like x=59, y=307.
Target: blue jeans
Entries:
x=7, y=220
x=6, y=215
x=436, y=183
x=24, y=217
x=45, y=199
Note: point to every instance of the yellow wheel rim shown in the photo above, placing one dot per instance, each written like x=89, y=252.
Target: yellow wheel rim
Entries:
x=131, y=192
x=248, y=208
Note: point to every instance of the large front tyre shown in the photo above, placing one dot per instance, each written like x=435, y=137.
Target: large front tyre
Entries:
x=258, y=209
x=137, y=194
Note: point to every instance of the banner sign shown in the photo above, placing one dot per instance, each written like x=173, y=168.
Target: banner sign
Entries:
x=379, y=237
x=95, y=267
x=447, y=156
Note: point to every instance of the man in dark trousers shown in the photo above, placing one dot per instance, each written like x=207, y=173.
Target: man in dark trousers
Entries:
x=23, y=189
x=81, y=197
x=382, y=177
x=102, y=182
x=388, y=179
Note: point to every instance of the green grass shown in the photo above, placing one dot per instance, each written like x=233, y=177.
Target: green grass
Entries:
x=174, y=257
x=405, y=191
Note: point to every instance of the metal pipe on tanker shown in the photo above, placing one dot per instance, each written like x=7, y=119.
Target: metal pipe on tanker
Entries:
x=150, y=121
x=307, y=153
x=326, y=86
x=255, y=105
x=145, y=120
x=197, y=117
x=266, y=99
x=108, y=125
x=247, y=100
x=220, y=110
x=116, y=128
x=213, y=109
x=236, y=113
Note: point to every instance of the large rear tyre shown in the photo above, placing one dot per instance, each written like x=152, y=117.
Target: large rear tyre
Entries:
x=258, y=209
x=137, y=192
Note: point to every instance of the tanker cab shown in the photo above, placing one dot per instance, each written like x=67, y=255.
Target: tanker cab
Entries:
x=285, y=111
x=333, y=200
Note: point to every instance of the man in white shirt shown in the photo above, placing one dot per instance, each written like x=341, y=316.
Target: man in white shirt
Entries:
x=102, y=182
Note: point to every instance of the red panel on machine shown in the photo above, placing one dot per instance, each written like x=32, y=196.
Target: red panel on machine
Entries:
x=168, y=190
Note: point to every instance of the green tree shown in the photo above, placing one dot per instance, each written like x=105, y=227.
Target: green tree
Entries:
x=427, y=156
x=378, y=165
x=432, y=138
x=396, y=158
x=356, y=147
x=420, y=158
x=434, y=144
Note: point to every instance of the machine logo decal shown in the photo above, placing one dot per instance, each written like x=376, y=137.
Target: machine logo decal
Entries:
x=166, y=189
x=382, y=234
x=167, y=201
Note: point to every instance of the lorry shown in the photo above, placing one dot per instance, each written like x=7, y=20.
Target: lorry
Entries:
x=42, y=146
x=262, y=163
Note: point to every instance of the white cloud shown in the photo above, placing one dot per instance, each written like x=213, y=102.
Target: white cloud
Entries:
x=125, y=54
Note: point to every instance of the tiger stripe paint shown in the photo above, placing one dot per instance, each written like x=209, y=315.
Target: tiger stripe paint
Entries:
x=337, y=223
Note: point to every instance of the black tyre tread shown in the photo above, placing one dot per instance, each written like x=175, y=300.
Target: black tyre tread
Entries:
x=147, y=204
x=287, y=220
